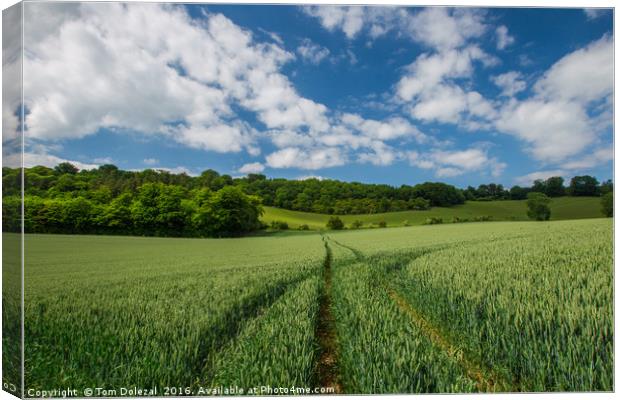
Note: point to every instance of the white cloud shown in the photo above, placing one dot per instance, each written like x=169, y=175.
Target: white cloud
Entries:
x=594, y=13
x=98, y=69
x=556, y=123
x=445, y=28
x=381, y=155
x=528, y=180
x=503, y=37
x=273, y=36
x=553, y=130
x=312, y=52
x=349, y=20
x=510, y=82
x=177, y=170
x=11, y=79
x=584, y=75
x=293, y=157
x=306, y=177
x=444, y=103
x=429, y=87
x=597, y=157
x=450, y=163
x=436, y=27
x=150, y=161
x=104, y=160
x=46, y=160
x=389, y=129
x=252, y=168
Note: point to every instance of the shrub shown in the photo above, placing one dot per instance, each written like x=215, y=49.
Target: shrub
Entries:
x=406, y=223
x=607, y=204
x=538, y=206
x=419, y=203
x=335, y=223
x=433, y=221
x=356, y=224
x=304, y=227
x=279, y=225
x=382, y=224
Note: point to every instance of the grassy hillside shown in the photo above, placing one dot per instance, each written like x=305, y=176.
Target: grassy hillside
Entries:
x=508, y=210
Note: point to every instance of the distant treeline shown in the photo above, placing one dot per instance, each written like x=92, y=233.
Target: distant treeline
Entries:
x=154, y=202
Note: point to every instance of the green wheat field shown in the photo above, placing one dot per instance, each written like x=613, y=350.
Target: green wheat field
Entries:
x=477, y=307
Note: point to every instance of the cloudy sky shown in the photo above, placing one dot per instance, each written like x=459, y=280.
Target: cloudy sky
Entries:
x=373, y=94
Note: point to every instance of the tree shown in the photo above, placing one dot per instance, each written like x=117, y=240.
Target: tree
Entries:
x=607, y=204
x=335, y=223
x=539, y=186
x=439, y=194
x=585, y=185
x=538, y=206
x=606, y=187
x=554, y=186
x=66, y=168
x=518, y=193
x=229, y=212
x=356, y=224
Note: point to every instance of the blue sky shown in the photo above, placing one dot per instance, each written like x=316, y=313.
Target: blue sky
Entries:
x=372, y=94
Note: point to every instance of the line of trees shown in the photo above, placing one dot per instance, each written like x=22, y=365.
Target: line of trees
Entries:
x=552, y=187
x=156, y=209
x=155, y=202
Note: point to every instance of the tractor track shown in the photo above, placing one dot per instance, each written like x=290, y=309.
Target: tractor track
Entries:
x=327, y=364
x=486, y=381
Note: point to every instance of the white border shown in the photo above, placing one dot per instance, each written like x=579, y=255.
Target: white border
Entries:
x=475, y=3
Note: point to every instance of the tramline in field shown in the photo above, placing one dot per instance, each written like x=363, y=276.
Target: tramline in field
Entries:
x=506, y=306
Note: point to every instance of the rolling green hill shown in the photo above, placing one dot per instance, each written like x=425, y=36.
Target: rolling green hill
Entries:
x=506, y=210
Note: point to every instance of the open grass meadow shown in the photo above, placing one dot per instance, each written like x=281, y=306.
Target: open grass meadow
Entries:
x=477, y=307
x=500, y=210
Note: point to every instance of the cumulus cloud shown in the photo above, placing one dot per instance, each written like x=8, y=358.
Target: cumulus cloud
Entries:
x=435, y=27
x=252, y=168
x=503, y=37
x=430, y=89
x=583, y=76
x=445, y=28
x=527, y=180
x=555, y=122
x=510, y=83
x=312, y=52
x=294, y=157
x=450, y=163
x=594, y=13
x=349, y=20
x=306, y=177
x=47, y=160
x=150, y=161
x=88, y=75
x=597, y=157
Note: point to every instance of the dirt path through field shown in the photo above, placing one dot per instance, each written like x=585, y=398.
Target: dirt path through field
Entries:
x=327, y=366
x=485, y=381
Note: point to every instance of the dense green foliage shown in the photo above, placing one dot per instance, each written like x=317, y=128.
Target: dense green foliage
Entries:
x=108, y=200
x=156, y=209
x=538, y=206
x=334, y=223
x=607, y=204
